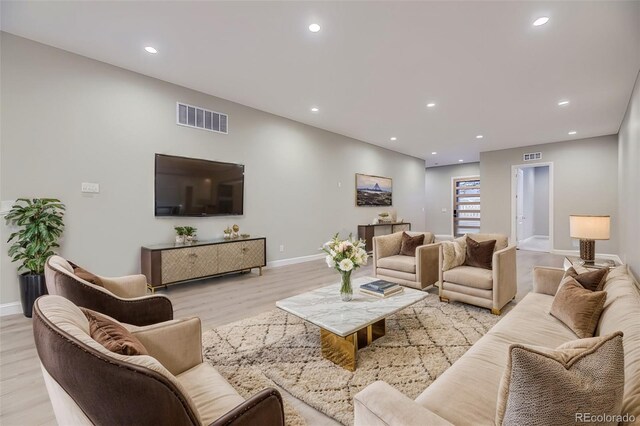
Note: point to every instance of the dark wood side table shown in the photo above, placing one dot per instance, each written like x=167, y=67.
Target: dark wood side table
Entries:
x=367, y=232
x=570, y=261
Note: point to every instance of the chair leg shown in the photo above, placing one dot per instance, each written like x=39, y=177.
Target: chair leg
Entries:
x=444, y=299
x=495, y=311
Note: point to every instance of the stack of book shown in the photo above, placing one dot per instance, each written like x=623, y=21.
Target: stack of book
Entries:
x=380, y=288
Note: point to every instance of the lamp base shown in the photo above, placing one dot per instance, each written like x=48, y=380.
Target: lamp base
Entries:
x=588, y=250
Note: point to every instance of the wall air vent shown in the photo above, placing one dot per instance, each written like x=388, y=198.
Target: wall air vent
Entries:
x=200, y=118
x=532, y=156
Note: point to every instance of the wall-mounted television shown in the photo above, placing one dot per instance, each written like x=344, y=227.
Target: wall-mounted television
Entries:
x=193, y=187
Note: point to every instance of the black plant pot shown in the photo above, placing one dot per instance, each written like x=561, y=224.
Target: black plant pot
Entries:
x=32, y=286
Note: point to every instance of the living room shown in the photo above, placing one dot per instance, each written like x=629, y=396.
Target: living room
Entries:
x=316, y=97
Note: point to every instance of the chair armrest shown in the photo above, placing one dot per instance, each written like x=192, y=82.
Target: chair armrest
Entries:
x=380, y=404
x=547, y=280
x=264, y=408
x=428, y=263
x=505, y=276
x=126, y=287
x=176, y=344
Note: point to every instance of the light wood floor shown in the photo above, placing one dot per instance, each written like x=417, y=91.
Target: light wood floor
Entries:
x=23, y=396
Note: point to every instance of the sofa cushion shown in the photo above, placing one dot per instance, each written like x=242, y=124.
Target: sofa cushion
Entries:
x=578, y=308
x=554, y=386
x=410, y=244
x=113, y=335
x=470, y=276
x=480, y=254
x=398, y=263
x=211, y=394
x=590, y=279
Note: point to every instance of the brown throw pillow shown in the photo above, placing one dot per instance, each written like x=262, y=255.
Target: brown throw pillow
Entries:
x=480, y=255
x=591, y=280
x=410, y=244
x=578, y=308
x=112, y=335
x=86, y=275
x=553, y=386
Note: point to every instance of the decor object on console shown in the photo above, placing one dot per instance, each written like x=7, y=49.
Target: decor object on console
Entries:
x=189, y=234
x=588, y=229
x=122, y=298
x=345, y=256
x=373, y=190
x=488, y=288
x=165, y=264
x=236, y=230
x=89, y=384
x=384, y=217
x=245, y=235
x=180, y=234
x=227, y=233
x=40, y=226
x=419, y=271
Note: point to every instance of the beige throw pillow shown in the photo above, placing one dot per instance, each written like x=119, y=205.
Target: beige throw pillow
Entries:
x=543, y=386
x=453, y=253
x=578, y=308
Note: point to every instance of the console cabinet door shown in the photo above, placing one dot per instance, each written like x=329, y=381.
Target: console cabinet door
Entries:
x=252, y=254
x=229, y=257
x=189, y=263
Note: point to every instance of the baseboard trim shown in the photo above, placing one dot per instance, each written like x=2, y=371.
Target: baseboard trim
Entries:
x=294, y=260
x=10, y=309
x=577, y=253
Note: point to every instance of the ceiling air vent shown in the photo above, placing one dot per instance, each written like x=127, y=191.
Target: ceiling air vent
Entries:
x=200, y=118
x=532, y=156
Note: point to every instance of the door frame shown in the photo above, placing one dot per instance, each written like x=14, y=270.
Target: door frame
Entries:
x=514, y=186
x=452, y=205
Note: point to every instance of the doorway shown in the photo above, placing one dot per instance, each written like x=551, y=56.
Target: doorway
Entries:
x=532, y=209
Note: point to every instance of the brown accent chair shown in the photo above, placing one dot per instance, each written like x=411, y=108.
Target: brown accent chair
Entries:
x=491, y=289
x=122, y=298
x=88, y=384
x=419, y=272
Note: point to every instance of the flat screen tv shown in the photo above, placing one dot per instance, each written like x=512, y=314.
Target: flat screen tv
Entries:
x=192, y=187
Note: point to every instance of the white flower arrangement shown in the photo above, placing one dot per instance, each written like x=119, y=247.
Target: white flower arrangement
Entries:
x=345, y=255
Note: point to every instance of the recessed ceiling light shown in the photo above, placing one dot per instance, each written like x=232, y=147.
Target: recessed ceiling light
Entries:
x=541, y=21
x=563, y=103
x=151, y=49
x=314, y=28
x=461, y=160
x=393, y=138
x=479, y=137
x=433, y=153
x=430, y=105
x=314, y=109
x=573, y=132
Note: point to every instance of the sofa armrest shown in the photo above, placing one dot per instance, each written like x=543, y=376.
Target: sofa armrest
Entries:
x=546, y=280
x=264, y=408
x=176, y=344
x=428, y=263
x=505, y=276
x=386, y=245
x=126, y=287
x=380, y=404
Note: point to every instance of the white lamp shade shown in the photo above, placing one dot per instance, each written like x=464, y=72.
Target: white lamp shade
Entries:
x=589, y=227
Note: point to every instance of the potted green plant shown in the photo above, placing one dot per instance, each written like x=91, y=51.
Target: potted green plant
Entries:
x=40, y=225
x=190, y=234
x=180, y=233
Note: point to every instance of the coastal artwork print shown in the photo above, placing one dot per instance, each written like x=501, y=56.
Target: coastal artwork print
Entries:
x=373, y=190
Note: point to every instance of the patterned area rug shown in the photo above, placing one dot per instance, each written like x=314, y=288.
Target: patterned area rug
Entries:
x=421, y=342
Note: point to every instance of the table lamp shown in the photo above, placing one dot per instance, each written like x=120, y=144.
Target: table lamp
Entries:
x=588, y=229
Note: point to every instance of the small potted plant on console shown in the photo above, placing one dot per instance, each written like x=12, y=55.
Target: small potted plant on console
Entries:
x=189, y=234
x=180, y=233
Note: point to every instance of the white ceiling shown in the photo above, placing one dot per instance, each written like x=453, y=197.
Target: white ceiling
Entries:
x=374, y=65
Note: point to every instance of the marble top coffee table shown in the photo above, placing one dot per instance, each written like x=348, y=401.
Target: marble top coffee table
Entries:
x=347, y=326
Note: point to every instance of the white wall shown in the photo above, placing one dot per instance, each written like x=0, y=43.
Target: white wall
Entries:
x=629, y=183
x=585, y=181
x=541, y=201
x=67, y=119
x=528, y=203
x=439, y=194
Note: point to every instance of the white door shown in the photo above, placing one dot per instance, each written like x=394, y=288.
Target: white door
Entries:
x=519, y=205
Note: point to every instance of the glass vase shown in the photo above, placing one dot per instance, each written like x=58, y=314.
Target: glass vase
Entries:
x=346, y=292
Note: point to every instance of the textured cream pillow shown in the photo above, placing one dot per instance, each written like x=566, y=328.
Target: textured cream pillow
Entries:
x=554, y=387
x=453, y=253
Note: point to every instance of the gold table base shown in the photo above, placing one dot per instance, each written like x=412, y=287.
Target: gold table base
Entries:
x=343, y=350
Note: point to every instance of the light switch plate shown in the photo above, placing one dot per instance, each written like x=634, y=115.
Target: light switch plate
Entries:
x=92, y=188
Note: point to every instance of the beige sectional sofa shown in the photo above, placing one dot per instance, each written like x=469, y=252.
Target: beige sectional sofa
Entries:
x=467, y=393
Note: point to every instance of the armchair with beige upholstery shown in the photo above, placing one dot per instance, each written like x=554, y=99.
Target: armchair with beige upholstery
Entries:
x=123, y=298
x=88, y=384
x=491, y=289
x=419, y=272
